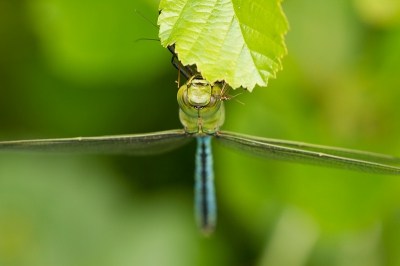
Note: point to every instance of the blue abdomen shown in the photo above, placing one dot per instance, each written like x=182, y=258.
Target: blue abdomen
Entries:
x=205, y=205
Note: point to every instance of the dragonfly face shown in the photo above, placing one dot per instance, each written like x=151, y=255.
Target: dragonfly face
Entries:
x=199, y=92
x=201, y=109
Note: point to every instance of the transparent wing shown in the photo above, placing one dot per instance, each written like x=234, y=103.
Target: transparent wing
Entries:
x=311, y=154
x=136, y=144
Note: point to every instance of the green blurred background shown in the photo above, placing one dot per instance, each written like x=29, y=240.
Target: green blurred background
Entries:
x=72, y=68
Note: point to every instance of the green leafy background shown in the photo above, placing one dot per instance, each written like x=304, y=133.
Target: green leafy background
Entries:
x=73, y=68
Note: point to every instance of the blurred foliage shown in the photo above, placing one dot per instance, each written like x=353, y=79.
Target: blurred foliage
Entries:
x=73, y=68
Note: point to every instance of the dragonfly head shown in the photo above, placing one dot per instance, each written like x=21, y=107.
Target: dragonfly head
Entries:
x=198, y=92
x=201, y=109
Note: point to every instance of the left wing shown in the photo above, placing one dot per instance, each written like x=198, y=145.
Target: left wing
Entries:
x=136, y=144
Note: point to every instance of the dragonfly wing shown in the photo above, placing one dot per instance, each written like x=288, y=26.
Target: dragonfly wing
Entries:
x=276, y=150
x=342, y=152
x=135, y=144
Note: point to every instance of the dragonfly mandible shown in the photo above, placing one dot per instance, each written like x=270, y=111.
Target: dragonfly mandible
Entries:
x=202, y=114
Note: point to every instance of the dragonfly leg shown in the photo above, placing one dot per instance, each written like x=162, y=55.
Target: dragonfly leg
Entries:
x=186, y=71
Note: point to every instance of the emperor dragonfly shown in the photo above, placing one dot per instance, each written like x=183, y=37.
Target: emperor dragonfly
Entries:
x=202, y=114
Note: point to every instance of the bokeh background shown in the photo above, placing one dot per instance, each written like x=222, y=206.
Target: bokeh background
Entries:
x=72, y=68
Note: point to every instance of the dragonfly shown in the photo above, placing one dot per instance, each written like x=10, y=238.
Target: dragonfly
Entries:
x=201, y=112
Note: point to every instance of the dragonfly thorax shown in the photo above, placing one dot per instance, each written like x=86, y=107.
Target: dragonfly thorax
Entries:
x=201, y=110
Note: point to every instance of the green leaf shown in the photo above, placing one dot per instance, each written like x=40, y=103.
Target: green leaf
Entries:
x=239, y=41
